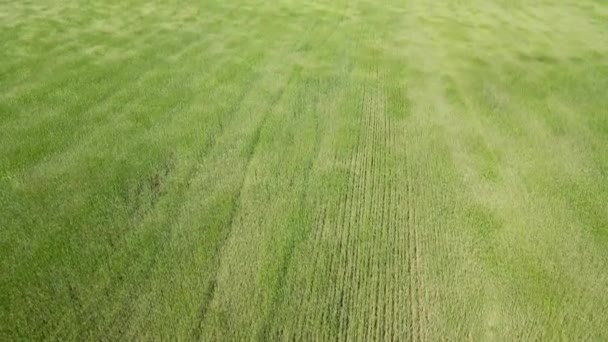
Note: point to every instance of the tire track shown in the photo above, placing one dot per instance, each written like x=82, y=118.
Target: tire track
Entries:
x=321, y=225
x=235, y=208
x=323, y=231
x=250, y=152
x=318, y=212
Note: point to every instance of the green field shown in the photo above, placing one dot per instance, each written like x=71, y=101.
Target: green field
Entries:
x=311, y=170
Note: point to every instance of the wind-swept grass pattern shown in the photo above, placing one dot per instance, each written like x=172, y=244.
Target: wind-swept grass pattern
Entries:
x=294, y=170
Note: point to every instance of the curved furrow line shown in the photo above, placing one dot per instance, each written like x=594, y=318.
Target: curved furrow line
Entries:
x=250, y=152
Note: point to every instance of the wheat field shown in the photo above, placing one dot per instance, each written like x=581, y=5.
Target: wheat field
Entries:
x=397, y=170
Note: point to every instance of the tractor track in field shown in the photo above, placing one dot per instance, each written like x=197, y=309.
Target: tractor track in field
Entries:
x=318, y=97
x=337, y=229
x=319, y=217
x=250, y=152
x=235, y=207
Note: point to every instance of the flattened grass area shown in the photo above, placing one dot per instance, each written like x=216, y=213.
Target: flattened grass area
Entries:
x=353, y=170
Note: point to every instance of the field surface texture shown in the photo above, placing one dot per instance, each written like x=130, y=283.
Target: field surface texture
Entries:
x=311, y=170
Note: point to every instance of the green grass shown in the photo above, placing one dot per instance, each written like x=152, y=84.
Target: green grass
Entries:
x=352, y=170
